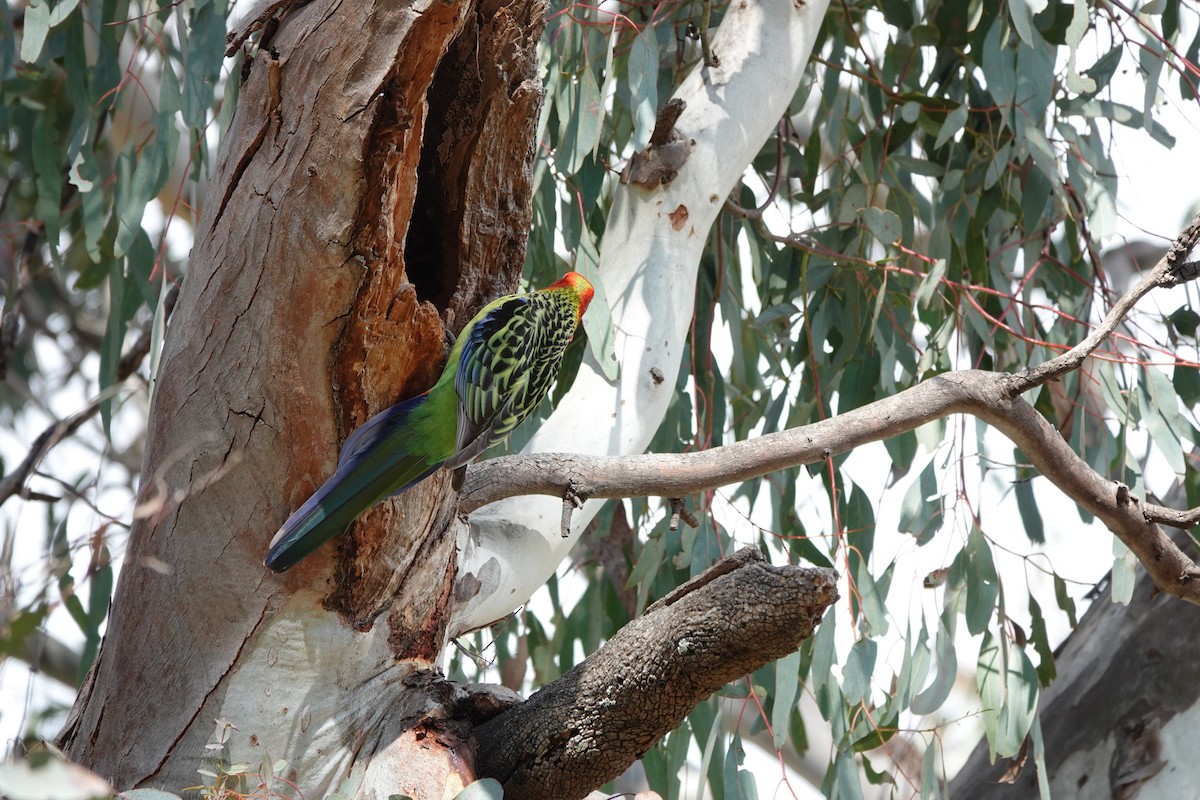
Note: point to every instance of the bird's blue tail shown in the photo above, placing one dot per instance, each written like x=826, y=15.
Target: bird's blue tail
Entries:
x=376, y=461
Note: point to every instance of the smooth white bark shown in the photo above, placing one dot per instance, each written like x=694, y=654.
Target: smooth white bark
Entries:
x=648, y=266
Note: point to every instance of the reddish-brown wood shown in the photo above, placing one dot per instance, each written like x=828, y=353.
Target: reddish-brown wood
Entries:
x=300, y=317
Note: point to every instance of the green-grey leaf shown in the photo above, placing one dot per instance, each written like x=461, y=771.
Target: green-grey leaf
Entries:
x=1039, y=759
x=586, y=118
x=1022, y=18
x=61, y=11
x=597, y=322
x=857, y=672
x=349, y=786
x=930, y=283
x=1008, y=690
x=915, y=667
x=1151, y=60
x=936, y=693
x=921, y=509
x=1039, y=147
x=953, y=124
x=37, y=25
x=849, y=781
x=1168, y=428
x=204, y=51
x=114, y=339
x=824, y=651
x=1031, y=514
x=884, y=225
x=787, y=672
x=642, y=70
x=931, y=786
x=136, y=190
x=983, y=584
x=874, y=617
x=1074, y=35
x=1124, y=574
x=148, y=794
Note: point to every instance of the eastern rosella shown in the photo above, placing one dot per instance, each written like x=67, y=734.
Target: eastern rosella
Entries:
x=500, y=369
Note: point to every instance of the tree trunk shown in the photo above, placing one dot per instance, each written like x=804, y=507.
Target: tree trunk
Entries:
x=373, y=191
x=1120, y=719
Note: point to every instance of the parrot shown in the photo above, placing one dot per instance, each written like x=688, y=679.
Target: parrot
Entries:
x=500, y=369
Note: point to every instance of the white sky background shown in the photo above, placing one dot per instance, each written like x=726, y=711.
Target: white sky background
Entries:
x=1156, y=197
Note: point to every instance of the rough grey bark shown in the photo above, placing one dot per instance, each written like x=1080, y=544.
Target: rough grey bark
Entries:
x=312, y=300
x=588, y=726
x=1119, y=721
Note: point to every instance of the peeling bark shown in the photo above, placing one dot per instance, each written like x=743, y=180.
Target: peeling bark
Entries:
x=305, y=310
x=461, y=237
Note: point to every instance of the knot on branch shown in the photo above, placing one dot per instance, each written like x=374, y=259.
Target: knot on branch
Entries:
x=679, y=510
x=1177, y=270
x=666, y=153
x=1184, y=243
x=573, y=499
x=1180, y=274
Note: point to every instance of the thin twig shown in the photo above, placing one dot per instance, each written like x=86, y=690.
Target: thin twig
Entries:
x=1169, y=271
x=710, y=58
x=14, y=482
x=572, y=499
x=1183, y=520
x=680, y=510
x=732, y=205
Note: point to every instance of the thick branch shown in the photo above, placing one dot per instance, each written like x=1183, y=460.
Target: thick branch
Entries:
x=740, y=614
x=987, y=395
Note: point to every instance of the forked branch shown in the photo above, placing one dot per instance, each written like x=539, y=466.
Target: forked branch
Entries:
x=993, y=397
x=1169, y=271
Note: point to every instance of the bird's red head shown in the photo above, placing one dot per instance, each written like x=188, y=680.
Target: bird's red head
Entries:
x=578, y=284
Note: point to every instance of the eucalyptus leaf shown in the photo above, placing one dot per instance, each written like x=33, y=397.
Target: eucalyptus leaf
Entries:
x=936, y=693
x=642, y=71
x=784, y=696
x=598, y=321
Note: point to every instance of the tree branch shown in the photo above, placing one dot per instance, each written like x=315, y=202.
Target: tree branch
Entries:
x=649, y=259
x=987, y=395
x=993, y=397
x=1169, y=271
x=740, y=614
x=1170, y=516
